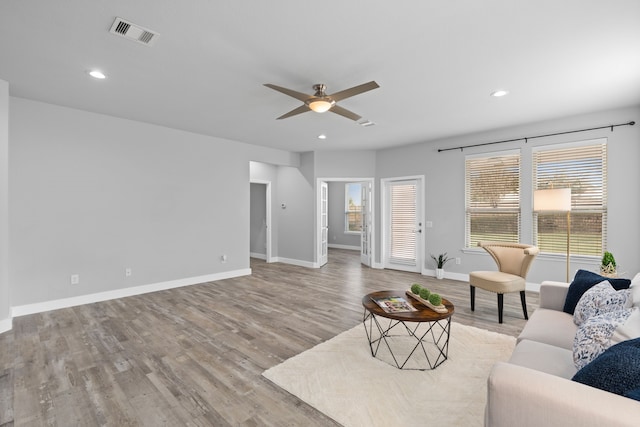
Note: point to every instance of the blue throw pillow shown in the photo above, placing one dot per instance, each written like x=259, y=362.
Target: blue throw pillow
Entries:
x=617, y=370
x=633, y=394
x=582, y=282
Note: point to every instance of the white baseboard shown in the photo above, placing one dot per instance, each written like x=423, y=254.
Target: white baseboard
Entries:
x=297, y=262
x=462, y=277
x=337, y=246
x=258, y=255
x=533, y=287
x=6, y=325
x=39, y=307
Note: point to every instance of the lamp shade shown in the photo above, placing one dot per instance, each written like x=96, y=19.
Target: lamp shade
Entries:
x=320, y=105
x=552, y=200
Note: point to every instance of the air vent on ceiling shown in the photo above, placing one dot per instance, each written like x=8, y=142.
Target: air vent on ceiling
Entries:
x=134, y=32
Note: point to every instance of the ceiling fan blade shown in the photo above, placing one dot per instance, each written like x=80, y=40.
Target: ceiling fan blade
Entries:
x=345, y=113
x=297, y=95
x=356, y=90
x=301, y=109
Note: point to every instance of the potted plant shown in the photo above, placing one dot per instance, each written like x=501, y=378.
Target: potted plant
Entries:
x=608, y=266
x=440, y=260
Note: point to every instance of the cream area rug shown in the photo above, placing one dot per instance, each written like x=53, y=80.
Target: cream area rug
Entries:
x=341, y=379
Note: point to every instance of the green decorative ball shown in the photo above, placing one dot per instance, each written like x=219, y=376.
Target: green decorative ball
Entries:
x=415, y=288
x=435, y=299
x=424, y=293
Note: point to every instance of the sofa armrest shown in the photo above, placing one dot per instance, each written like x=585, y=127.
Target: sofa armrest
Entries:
x=519, y=396
x=553, y=294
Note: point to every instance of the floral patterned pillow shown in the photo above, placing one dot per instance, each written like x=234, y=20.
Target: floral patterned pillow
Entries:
x=601, y=298
x=593, y=336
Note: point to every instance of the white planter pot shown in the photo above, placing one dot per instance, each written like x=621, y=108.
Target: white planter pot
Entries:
x=439, y=273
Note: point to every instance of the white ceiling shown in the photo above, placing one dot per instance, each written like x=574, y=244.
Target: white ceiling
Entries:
x=436, y=63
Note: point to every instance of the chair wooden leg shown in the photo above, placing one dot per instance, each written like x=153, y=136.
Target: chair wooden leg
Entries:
x=473, y=297
x=523, y=299
x=500, y=305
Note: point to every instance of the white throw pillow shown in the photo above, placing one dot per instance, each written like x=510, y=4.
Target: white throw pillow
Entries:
x=635, y=290
x=599, y=299
x=628, y=330
x=593, y=337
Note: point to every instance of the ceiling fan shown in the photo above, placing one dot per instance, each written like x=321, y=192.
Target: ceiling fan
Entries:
x=321, y=102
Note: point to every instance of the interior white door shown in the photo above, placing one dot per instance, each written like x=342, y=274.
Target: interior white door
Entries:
x=365, y=218
x=403, y=225
x=324, y=223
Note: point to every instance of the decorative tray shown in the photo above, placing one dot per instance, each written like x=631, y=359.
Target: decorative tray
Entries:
x=437, y=308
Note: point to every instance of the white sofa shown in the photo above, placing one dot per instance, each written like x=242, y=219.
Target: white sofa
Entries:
x=534, y=388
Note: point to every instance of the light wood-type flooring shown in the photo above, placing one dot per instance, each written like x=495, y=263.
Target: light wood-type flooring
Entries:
x=194, y=355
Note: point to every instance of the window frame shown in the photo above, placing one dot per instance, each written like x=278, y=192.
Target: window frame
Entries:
x=514, y=154
x=577, y=199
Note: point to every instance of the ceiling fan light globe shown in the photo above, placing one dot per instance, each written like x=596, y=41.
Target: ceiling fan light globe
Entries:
x=320, y=105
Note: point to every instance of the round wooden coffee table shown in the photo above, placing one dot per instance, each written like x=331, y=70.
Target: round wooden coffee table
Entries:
x=412, y=340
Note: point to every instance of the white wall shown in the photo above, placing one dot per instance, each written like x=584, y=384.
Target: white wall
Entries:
x=345, y=164
x=5, y=303
x=444, y=189
x=92, y=195
x=296, y=235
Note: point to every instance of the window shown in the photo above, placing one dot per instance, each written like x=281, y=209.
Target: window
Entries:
x=492, y=193
x=583, y=168
x=353, y=207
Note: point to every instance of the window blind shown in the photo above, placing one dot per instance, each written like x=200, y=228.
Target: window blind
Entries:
x=583, y=168
x=403, y=223
x=492, y=193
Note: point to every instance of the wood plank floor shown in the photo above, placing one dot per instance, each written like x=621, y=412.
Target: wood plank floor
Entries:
x=194, y=356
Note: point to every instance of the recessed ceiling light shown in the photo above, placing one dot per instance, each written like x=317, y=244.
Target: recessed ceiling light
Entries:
x=499, y=93
x=96, y=74
x=322, y=136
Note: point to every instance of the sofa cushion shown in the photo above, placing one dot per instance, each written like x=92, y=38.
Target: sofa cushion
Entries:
x=497, y=281
x=550, y=327
x=593, y=337
x=617, y=370
x=584, y=280
x=600, y=299
x=544, y=358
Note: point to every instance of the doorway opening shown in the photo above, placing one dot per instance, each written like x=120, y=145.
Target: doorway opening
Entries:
x=344, y=220
x=260, y=220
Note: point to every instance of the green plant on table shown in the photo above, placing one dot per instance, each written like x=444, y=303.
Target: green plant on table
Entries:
x=435, y=299
x=608, y=264
x=424, y=293
x=415, y=288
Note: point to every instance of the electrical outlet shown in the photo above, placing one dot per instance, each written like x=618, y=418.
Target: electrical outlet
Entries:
x=458, y=261
x=127, y=272
x=75, y=279
x=223, y=258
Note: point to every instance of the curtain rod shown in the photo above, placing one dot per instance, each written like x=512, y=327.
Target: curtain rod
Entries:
x=534, y=137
